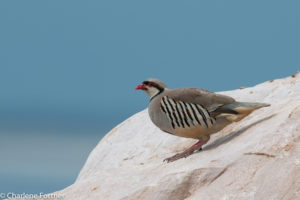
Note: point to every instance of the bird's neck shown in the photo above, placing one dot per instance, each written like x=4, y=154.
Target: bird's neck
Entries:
x=156, y=93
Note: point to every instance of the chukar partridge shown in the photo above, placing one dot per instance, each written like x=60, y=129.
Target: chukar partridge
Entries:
x=192, y=112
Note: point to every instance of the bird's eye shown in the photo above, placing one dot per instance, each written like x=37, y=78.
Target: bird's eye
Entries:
x=150, y=84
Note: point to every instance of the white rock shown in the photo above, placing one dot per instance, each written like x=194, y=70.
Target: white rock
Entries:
x=256, y=158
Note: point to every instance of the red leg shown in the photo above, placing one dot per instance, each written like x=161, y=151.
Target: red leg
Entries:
x=188, y=152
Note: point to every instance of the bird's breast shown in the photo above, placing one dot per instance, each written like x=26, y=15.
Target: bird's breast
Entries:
x=158, y=117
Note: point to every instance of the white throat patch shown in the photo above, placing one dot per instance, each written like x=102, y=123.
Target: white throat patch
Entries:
x=152, y=91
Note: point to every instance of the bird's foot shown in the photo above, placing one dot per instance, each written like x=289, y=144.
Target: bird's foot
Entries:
x=184, y=154
x=188, y=152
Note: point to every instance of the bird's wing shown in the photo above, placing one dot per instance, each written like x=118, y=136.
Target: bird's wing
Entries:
x=209, y=100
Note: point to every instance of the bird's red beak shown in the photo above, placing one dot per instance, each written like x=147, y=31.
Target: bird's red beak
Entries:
x=141, y=87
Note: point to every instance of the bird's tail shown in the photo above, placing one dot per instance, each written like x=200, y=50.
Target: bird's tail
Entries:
x=246, y=107
x=238, y=110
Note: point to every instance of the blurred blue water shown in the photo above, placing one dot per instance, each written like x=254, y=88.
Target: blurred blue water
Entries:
x=45, y=152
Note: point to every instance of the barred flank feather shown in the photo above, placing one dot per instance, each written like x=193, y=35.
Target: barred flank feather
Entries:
x=181, y=114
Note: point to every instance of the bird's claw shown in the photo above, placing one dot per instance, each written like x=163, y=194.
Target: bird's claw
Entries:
x=180, y=155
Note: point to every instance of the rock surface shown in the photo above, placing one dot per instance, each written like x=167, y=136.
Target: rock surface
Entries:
x=256, y=158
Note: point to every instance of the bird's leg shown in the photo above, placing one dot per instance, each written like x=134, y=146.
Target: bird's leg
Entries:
x=188, y=152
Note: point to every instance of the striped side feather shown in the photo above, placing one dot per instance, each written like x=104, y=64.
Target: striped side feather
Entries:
x=182, y=114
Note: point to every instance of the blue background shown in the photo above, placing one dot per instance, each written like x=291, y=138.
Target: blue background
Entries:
x=68, y=70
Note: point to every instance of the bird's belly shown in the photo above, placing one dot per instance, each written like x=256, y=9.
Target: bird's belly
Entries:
x=198, y=131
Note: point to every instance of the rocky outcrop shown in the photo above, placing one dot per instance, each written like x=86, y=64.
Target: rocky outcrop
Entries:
x=256, y=158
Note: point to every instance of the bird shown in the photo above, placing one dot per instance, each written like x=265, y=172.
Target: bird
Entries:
x=192, y=112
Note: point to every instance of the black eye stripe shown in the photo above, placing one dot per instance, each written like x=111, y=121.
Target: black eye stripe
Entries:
x=149, y=83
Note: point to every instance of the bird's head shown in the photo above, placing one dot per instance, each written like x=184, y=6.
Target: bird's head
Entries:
x=152, y=87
